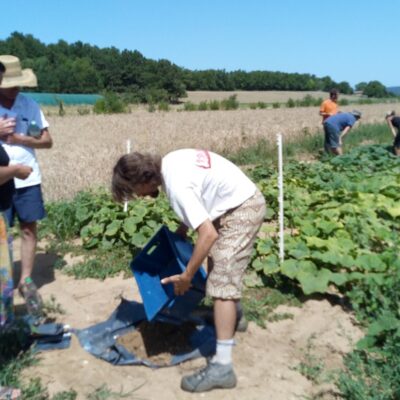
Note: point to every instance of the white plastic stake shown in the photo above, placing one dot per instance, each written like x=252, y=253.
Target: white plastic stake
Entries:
x=128, y=150
x=280, y=197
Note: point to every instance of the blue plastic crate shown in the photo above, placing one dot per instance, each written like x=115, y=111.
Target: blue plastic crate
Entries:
x=164, y=255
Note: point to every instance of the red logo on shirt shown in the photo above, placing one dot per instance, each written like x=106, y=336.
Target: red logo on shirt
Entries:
x=203, y=159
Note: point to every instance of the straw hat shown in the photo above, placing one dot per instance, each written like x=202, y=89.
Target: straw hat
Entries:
x=14, y=75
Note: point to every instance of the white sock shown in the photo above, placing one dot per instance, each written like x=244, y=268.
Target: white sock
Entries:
x=224, y=352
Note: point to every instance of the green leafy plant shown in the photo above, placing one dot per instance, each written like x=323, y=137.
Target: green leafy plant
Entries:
x=110, y=103
x=311, y=366
x=189, y=106
x=214, y=105
x=345, y=222
x=163, y=106
x=262, y=105
x=103, y=392
x=202, y=106
x=259, y=304
x=230, y=103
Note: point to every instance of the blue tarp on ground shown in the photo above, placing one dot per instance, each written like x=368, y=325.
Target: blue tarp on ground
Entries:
x=54, y=99
x=101, y=339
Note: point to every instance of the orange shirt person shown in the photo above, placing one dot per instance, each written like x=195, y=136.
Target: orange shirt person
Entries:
x=329, y=107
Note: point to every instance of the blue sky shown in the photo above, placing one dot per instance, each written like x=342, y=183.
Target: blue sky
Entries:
x=350, y=40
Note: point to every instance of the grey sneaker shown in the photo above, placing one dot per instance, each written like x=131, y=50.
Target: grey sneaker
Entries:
x=213, y=376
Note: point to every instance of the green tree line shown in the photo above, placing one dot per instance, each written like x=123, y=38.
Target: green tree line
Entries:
x=83, y=68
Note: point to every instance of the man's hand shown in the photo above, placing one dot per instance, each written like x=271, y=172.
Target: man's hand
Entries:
x=7, y=127
x=182, y=231
x=15, y=138
x=182, y=283
x=22, y=171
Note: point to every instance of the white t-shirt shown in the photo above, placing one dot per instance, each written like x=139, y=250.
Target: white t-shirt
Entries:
x=27, y=110
x=202, y=185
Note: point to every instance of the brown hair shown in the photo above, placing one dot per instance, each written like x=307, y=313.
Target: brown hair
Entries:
x=133, y=169
x=334, y=92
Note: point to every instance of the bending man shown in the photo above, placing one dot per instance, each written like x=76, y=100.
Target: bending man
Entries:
x=214, y=197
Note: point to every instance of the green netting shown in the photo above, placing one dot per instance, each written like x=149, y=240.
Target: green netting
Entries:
x=53, y=99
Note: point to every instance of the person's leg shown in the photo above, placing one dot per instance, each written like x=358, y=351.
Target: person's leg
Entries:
x=332, y=140
x=230, y=254
x=28, y=204
x=326, y=139
x=225, y=317
x=29, y=208
x=396, y=143
x=337, y=151
x=28, y=249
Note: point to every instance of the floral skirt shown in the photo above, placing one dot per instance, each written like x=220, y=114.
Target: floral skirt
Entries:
x=6, y=280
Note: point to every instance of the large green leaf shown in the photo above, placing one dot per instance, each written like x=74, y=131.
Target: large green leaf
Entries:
x=328, y=227
x=316, y=242
x=264, y=247
x=112, y=229
x=387, y=321
x=301, y=251
x=290, y=268
x=271, y=265
x=393, y=211
x=339, y=279
x=138, y=240
x=96, y=229
x=140, y=210
x=82, y=214
x=314, y=281
x=333, y=258
x=130, y=225
x=370, y=262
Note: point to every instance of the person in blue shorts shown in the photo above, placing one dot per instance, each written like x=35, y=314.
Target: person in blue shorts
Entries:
x=336, y=127
x=30, y=133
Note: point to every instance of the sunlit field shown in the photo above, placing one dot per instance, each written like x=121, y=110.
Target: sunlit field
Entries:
x=87, y=146
x=269, y=96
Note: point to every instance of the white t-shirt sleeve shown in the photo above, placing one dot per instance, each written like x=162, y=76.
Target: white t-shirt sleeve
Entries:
x=43, y=122
x=189, y=208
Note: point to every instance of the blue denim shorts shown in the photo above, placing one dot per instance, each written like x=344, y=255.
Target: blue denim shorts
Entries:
x=27, y=205
x=332, y=136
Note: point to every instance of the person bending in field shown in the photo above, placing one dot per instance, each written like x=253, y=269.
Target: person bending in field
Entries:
x=329, y=106
x=30, y=133
x=393, y=121
x=336, y=128
x=216, y=199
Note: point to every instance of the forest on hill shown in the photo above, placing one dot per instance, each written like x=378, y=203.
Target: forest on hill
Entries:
x=83, y=68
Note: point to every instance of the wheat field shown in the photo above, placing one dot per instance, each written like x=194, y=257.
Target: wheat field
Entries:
x=270, y=96
x=86, y=147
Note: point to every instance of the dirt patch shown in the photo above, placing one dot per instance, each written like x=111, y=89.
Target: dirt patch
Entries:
x=265, y=360
x=158, y=341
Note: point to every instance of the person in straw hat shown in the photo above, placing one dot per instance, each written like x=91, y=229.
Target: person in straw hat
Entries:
x=30, y=132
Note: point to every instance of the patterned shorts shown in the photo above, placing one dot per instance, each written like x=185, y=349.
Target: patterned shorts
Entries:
x=230, y=254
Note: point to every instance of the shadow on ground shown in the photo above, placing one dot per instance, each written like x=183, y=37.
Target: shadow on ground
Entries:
x=43, y=270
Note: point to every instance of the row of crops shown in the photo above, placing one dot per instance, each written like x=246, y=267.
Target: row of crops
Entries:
x=342, y=218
